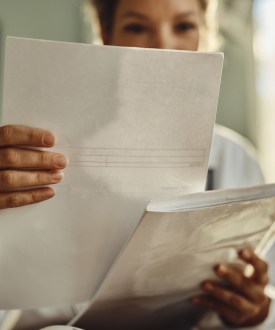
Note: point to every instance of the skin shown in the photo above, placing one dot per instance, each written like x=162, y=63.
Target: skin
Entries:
x=24, y=168
x=172, y=24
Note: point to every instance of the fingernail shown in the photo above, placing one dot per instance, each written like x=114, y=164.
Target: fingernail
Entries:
x=60, y=161
x=208, y=286
x=45, y=193
x=222, y=269
x=49, y=193
x=246, y=254
x=48, y=140
x=57, y=175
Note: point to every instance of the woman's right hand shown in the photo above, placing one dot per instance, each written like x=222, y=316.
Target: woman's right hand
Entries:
x=25, y=172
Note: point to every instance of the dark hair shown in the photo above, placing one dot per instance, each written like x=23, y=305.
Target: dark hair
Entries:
x=105, y=10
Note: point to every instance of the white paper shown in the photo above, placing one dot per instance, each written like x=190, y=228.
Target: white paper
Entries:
x=136, y=124
x=172, y=253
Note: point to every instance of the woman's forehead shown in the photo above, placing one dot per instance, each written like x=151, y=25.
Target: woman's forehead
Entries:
x=158, y=7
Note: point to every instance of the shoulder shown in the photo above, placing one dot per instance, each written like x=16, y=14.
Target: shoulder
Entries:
x=228, y=140
x=234, y=160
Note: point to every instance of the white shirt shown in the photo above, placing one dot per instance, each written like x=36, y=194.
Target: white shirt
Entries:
x=233, y=160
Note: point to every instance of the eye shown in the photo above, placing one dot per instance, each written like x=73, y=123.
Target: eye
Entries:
x=184, y=27
x=134, y=28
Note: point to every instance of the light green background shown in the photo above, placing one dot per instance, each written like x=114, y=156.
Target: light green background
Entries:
x=60, y=20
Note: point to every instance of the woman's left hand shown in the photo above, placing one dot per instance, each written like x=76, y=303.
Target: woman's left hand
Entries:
x=239, y=300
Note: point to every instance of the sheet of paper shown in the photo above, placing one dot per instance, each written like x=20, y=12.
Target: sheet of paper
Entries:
x=168, y=257
x=136, y=124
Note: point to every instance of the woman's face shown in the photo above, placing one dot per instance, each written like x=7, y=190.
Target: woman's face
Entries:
x=166, y=24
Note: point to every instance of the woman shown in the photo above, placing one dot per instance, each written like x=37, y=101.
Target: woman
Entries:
x=169, y=24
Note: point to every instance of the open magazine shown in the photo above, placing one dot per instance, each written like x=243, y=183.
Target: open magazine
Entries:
x=173, y=249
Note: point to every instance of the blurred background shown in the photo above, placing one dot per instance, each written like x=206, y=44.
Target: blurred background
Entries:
x=247, y=28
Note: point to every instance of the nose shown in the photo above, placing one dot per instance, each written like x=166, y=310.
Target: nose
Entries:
x=164, y=39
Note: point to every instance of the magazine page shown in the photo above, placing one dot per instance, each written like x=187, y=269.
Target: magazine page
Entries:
x=168, y=257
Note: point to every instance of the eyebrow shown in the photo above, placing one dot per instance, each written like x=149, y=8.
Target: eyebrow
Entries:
x=184, y=15
x=135, y=14
x=145, y=17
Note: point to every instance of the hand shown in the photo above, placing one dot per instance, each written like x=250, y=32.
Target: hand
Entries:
x=23, y=170
x=239, y=300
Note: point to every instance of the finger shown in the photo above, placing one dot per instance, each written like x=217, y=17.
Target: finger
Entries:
x=260, y=266
x=229, y=298
x=239, y=282
x=10, y=180
x=25, y=136
x=231, y=316
x=25, y=158
x=17, y=199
